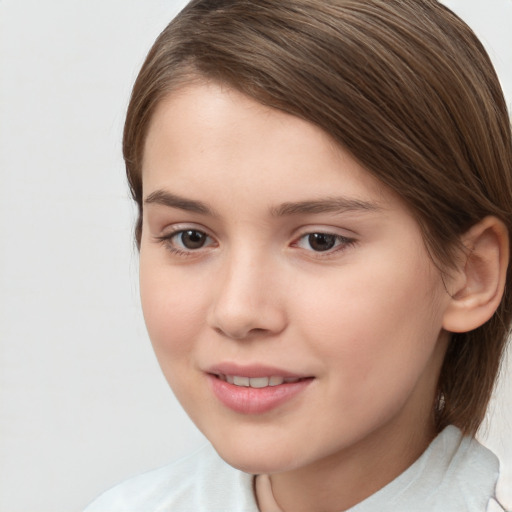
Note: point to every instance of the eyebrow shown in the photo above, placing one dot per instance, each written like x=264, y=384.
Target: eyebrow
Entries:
x=165, y=198
x=327, y=205
x=314, y=206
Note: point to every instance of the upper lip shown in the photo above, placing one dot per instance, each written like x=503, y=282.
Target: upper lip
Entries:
x=251, y=371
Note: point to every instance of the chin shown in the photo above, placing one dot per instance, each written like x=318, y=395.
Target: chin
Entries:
x=257, y=465
x=257, y=458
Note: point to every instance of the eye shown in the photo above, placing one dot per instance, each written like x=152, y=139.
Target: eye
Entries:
x=186, y=241
x=190, y=239
x=322, y=242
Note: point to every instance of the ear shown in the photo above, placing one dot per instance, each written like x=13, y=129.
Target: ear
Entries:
x=477, y=285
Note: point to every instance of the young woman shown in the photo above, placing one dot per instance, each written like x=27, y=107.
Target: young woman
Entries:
x=325, y=200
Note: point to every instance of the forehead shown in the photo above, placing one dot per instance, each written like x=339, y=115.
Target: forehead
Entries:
x=211, y=138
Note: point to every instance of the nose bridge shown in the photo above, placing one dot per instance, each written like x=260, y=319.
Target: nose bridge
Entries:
x=246, y=301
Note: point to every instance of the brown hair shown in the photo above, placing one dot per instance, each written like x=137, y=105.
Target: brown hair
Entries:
x=404, y=85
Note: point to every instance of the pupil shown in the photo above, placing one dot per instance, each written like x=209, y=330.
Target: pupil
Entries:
x=193, y=239
x=321, y=241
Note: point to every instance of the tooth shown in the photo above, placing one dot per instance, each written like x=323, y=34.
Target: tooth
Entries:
x=258, y=382
x=240, y=381
x=275, y=381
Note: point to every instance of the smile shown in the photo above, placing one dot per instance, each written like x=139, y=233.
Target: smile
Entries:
x=256, y=394
x=256, y=382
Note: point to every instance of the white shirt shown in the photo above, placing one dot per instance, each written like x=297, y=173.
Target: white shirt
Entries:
x=454, y=474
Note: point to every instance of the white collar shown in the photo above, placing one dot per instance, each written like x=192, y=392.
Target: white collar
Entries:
x=454, y=473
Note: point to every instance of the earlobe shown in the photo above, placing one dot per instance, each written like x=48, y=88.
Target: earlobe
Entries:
x=478, y=284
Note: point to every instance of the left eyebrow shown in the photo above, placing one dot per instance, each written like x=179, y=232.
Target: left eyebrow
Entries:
x=327, y=205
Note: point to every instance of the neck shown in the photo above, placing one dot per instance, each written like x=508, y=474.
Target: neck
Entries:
x=341, y=481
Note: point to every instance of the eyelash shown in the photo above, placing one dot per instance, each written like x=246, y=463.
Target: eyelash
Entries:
x=167, y=242
x=341, y=243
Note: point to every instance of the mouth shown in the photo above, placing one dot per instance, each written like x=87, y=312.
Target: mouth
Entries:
x=257, y=382
x=253, y=390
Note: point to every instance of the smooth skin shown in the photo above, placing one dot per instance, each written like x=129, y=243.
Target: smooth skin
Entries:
x=264, y=242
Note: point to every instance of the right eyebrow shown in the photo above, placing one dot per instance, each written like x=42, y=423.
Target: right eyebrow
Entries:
x=165, y=198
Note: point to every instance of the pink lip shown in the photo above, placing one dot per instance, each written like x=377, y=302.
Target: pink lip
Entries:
x=251, y=371
x=247, y=400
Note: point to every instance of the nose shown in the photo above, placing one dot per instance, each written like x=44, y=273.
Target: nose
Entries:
x=248, y=299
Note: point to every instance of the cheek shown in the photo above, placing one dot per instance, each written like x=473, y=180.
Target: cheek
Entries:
x=173, y=312
x=378, y=325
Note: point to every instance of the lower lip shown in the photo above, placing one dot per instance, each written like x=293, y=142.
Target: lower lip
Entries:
x=247, y=400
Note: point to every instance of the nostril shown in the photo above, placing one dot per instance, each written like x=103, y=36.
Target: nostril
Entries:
x=242, y=334
x=240, y=317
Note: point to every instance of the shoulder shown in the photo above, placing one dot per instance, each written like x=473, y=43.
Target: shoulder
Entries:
x=464, y=472
x=455, y=474
x=199, y=482
x=494, y=506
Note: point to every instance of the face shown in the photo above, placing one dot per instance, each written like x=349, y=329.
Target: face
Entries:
x=288, y=295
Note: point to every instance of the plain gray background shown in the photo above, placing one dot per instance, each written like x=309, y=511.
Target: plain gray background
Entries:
x=82, y=401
